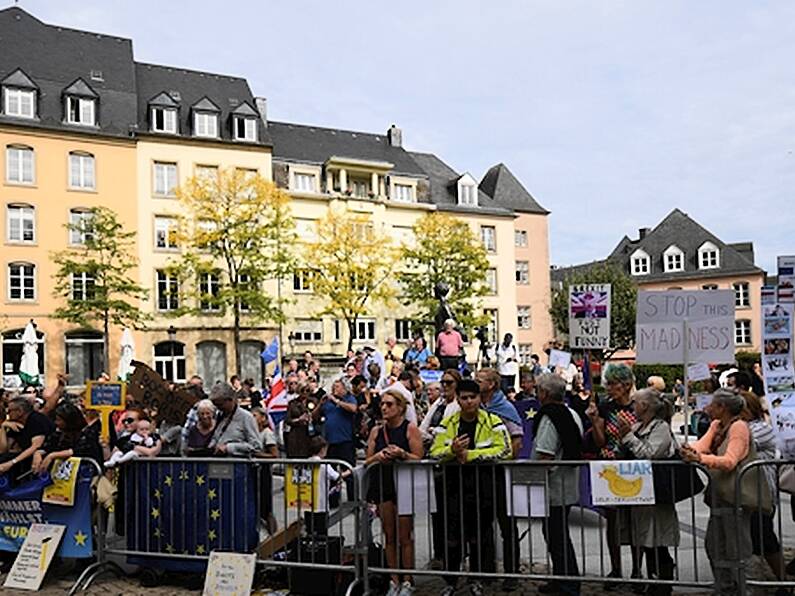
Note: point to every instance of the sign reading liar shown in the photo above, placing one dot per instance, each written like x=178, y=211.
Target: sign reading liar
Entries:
x=34, y=557
x=675, y=323
x=229, y=573
x=622, y=482
x=589, y=316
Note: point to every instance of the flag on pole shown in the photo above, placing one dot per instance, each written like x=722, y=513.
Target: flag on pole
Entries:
x=271, y=351
x=276, y=403
x=587, y=382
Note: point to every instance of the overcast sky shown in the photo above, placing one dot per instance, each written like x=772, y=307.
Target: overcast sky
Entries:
x=611, y=113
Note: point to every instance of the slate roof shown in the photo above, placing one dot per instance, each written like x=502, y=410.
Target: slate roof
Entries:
x=314, y=144
x=444, y=191
x=688, y=235
x=192, y=89
x=500, y=184
x=55, y=57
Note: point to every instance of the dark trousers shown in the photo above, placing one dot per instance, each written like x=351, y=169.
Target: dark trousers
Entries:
x=346, y=452
x=508, y=528
x=446, y=362
x=561, y=550
x=507, y=382
x=660, y=566
x=469, y=521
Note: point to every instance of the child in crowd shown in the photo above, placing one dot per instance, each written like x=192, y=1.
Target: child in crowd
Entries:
x=329, y=487
x=143, y=442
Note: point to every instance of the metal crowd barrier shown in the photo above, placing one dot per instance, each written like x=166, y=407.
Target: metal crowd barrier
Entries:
x=455, y=508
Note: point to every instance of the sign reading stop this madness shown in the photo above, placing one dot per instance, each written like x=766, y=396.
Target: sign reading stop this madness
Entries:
x=681, y=327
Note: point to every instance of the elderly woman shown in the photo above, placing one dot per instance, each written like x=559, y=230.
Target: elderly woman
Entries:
x=197, y=442
x=654, y=527
x=396, y=439
x=605, y=421
x=724, y=449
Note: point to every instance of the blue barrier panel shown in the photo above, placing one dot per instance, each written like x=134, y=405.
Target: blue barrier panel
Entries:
x=21, y=506
x=189, y=507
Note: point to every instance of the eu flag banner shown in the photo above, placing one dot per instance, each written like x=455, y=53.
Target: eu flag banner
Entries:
x=22, y=506
x=189, y=508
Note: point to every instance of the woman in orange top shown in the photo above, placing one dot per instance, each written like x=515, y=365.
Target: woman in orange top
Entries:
x=725, y=447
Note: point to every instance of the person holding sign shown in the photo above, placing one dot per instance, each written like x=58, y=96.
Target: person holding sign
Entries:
x=654, y=527
x=73, y=437
x=605, y=421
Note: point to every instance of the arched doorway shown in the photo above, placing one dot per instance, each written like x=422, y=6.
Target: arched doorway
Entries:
x=251, y=365
x=83, y=355
x=211, y=362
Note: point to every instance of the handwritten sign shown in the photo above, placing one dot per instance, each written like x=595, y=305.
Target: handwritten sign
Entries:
x=149, y=390
x=622, y=482
x=698, y=372
x=34, y=557
x=302, y=486
x=559, y=358
x=64, y=482
x=230, y=574
x=106, y=398
x=660, y=331
x=589, y=316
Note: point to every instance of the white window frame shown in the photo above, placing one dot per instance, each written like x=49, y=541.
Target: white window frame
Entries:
x=209, y=285
x=491, y=280
x=708, y=256
x=77, y=238
x=742, y=332
x=23, y=159
x=22, y=98
x=364, y=330
x=304, y=182
x=249, y=129
x=525, y=353
x=81, y=111
x=21, y=275
x=522, y=273
x=640, y=262
x=82, y=171
x=25, y=218
x=673, y=259
x=524, y=317
x=403, y=329
x=82, y=280
x=488, y=235
x=302, y=281
x=308, y=331
x=520, y=238
x=336, y=336
x=166, y=228
x=742, y=294
x=167, y=286
x=403, y=193
x=205, y=125
x=468, y=195
x=168, y=117
x=169, y=175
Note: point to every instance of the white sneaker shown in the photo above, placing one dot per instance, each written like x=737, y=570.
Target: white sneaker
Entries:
x=406, y=589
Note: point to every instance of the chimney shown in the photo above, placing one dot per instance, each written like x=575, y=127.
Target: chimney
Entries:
x=262, y=108
x=395, y=136
x=643, y=231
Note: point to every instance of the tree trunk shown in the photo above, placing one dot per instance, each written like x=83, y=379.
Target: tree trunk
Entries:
x=106, y=345
x=237, y=339
x=351, y=327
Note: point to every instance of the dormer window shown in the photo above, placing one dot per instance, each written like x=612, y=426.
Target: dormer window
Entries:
x=245, y=129
x=673, y=259
x=164, y=120
x=205, y=124
x=640, y=263
x=467, y=191
x=80, y=110
x=19, y=95
x=708, y=256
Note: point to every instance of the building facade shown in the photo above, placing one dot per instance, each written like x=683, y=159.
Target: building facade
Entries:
x=88, y=126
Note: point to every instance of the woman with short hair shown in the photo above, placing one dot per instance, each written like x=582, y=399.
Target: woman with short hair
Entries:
x=199, y=436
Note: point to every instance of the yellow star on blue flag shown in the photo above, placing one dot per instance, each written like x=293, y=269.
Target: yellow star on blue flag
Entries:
x=530, y=414
x=80, y=538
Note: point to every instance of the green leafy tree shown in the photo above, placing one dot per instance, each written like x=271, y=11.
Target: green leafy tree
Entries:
x=94, y=276
x=446, y=250
x=236, y=234
x=622, y=307
x=350, y=264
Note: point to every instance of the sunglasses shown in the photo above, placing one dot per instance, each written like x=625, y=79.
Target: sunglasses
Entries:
x=448, y=382
x=387, y=403
x=128, y=420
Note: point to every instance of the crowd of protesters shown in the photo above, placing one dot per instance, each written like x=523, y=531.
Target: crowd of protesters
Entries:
x=379, y=409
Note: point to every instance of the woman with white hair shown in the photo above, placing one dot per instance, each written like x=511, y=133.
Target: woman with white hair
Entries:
x=197, y=442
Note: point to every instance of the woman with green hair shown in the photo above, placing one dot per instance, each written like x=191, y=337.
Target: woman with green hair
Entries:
x=607, y=418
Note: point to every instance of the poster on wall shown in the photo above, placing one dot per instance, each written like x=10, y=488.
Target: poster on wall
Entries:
x=589, y=316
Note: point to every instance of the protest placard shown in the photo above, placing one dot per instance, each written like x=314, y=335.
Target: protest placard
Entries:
x=231, y=574
x=622, y=482
x=786, y=279
x=302, y=487
x=106, y=398
x=559, y=358
x=64, y=482
x=684, y=326
x=34, y=557
x=589, y=316
x=149, y=390
x=698, y=372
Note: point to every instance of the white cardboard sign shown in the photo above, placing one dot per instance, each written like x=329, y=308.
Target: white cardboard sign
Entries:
x=589, y=316
x=660, y=333
x=698, y=372
x=622, y=482
x=35, y=556
x=230, y=574
x=559, y=358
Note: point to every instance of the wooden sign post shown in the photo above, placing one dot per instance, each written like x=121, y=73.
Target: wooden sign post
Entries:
x=106, y=398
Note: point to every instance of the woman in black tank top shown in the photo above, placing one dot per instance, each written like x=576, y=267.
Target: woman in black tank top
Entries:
x=395, y=440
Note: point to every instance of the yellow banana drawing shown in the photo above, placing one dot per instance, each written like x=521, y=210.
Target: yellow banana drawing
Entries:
x=620, y=486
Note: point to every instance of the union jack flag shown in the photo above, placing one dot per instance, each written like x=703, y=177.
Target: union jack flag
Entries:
x=276, y=404
x=589, y=305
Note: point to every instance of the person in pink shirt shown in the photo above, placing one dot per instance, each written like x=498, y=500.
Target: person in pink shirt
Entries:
x=449, y=345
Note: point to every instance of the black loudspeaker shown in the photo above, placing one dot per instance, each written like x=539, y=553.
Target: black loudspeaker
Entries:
x=320, y=550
